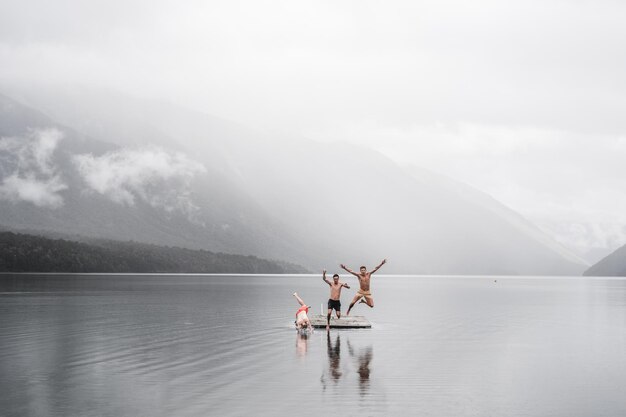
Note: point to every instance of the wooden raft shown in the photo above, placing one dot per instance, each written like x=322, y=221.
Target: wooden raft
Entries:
x=350, y=322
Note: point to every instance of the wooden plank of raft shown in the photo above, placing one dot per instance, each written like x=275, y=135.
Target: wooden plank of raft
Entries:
x=349, y=322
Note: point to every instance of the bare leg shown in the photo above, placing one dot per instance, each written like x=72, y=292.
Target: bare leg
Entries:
x=354, y=300
x=338, y=314
x=295, y=294
x=369, y=301
x=328, y=319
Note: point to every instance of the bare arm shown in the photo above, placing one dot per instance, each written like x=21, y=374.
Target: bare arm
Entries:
x=345, y=268
x=378, y=267
x=324, y=277
x=345, y=285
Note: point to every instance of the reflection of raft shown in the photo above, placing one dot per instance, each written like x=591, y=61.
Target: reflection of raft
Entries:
x=350, y=322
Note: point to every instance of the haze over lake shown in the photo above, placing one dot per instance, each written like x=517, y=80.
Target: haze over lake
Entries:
x=242, y=145
x=185, y=345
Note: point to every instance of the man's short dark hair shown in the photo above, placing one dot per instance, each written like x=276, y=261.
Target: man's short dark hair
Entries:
x=362, y=267
x=336, y=275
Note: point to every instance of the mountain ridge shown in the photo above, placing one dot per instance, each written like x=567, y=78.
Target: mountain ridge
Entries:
x=322, y=203
x=612, y=265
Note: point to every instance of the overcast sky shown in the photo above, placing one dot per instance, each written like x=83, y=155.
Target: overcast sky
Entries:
x=524, y=100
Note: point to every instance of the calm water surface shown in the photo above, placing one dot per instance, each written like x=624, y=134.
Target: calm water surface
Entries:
x=225, y=346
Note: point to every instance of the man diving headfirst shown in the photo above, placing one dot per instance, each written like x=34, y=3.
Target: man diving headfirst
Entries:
x=302, y=319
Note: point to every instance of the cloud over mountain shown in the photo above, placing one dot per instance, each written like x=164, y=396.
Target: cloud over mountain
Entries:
x=28, y=172
x=153, y=175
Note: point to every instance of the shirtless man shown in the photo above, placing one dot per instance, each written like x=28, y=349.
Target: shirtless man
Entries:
x=335, y=293
x=302, y=320
x=363, y=293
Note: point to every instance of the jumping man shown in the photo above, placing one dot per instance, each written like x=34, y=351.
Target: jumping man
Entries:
x=363, y=293
x=335, y=293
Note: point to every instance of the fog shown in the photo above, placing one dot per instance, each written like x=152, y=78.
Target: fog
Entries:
x=521, y=100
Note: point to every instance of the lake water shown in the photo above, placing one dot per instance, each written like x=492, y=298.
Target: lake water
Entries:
x=105, y=345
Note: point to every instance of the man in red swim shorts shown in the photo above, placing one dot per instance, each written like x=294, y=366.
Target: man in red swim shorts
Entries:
x=302, y=319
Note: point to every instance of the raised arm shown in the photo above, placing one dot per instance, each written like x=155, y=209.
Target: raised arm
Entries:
x=345, y=268
x=324, y=277
x=378, y=267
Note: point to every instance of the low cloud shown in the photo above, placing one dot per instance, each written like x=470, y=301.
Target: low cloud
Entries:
x=569, y=183
x=152, y=175
x=27, y=171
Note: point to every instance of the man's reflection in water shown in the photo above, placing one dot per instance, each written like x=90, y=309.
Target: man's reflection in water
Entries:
x=364, y=358
x=302, y=341
x=334, y=360
x=334, y=357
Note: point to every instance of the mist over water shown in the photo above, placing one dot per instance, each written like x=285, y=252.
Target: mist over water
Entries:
x=225, y=345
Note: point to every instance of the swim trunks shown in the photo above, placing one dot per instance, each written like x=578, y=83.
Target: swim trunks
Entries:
x=301, y=309
x=334, y=305
x=364, y=293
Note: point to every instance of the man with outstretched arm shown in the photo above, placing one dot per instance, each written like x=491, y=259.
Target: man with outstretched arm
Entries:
x=335, y=293
x=363, y=293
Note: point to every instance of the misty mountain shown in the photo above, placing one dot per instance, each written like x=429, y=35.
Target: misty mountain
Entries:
x=486, y=202
x=613, y=265
x=316, y=204
x=596, y=254
x=92, y=188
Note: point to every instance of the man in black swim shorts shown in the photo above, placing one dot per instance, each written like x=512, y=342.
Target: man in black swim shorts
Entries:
x=335, y=294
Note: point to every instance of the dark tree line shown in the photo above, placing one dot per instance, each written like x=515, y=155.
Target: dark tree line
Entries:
x=29, y=253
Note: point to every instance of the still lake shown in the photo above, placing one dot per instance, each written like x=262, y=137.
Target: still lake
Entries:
x=185, y=345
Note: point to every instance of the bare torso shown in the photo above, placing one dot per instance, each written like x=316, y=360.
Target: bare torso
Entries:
x=301, y=316
x=364, y=281
x=302, y=319
x=335, y=290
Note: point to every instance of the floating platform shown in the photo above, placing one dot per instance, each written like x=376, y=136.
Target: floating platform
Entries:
x=349, y=322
